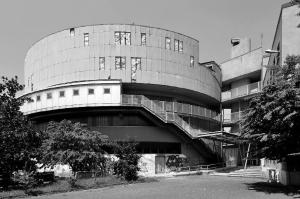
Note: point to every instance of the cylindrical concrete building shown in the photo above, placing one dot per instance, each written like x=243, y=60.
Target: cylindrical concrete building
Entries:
x=129, y=82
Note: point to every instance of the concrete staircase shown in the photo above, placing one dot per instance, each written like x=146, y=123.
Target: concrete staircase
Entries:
x=250, y=172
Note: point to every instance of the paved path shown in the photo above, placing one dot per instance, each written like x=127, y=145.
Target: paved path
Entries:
x=185, y=187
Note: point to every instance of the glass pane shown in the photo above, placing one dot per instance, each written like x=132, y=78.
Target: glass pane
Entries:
x=180, y=46
x=143, y=38
x=117, y=62
x=123, y=62
x=176, y=45
x=192, y=61
x=128, y=38
x=117, y=38
x=122, y=38
x=168, y=43
x=101, y=63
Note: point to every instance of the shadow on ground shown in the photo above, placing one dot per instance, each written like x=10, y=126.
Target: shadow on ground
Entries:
x=271, y=188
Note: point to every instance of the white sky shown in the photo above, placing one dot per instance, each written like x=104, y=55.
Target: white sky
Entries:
x=212, y=22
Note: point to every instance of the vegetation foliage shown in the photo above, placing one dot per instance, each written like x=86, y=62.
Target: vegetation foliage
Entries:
x=272, y=122
x=73, y=144
x=127, y=164
x=19, y=141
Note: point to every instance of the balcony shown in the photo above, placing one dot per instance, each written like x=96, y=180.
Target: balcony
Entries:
x=233, y=117
x=241, y=91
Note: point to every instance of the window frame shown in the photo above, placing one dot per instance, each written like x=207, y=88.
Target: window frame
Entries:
x=143, y=41
x=72, y=32
x=192, y=61
x=38, y=98
x=180, y=46
x=86, y=39
x=101, y=63
x=176, y=47
x=168, y=43
x=122, y=62
x=122, y=38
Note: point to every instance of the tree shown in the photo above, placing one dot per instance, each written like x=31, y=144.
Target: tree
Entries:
x=19, y=142
x=272, y=122
x=127, y=164
x=73, y=144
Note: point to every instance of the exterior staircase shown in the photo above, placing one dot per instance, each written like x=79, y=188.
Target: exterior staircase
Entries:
x=168, y=112
x=250, y=172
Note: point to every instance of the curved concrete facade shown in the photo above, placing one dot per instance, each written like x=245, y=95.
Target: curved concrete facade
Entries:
x=63, y=57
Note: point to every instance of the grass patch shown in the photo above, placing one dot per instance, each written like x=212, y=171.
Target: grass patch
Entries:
x=64, y=185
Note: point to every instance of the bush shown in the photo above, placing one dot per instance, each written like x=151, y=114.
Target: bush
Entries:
x=127, y=165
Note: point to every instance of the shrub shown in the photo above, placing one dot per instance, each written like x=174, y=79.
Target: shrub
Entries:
x=127, y=165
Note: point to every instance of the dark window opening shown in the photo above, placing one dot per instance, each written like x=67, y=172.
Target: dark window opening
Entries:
x=75, y=92
x=49, y=95
x=91, y=91
x=61, y=93
x=72, y=32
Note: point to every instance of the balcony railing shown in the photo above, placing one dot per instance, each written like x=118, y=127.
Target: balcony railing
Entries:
x=241, y=91
x=169, y=112
x=233, y=117
x=160, y=107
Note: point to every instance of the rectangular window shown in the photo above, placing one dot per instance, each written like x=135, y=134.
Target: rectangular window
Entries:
x=106, y=90
x=91, y=91
x=49, y=95
x=180, y=46
x=101, y=63
x=120, y=63
x=38, y=98
x=128, y=38
x=136, y=63
x=61, y=93
x=72, y=32
x=143, y=39
x=86, y=39
x=176, y=45
x=192, y=60
x=123, y=38
x=75, y=92
x=117, y=38
x=168, y=43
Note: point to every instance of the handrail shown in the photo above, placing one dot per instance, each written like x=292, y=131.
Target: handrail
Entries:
x=167, y=111
x=201, y=167
x=240, y=91
x=233, y=117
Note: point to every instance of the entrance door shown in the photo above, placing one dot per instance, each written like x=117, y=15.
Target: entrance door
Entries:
x=160, y=163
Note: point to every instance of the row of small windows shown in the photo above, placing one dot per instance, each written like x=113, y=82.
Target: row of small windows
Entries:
x=91, y=91
x=136, y=62
x=124, y=38
x=120, y=62
x=178, y=45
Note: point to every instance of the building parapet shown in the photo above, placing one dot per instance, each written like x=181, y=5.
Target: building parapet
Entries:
x=241, y=91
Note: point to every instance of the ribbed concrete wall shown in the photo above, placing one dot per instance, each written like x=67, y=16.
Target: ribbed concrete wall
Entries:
x=61, y=58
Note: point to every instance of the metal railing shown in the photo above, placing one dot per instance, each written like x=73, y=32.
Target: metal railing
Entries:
x=241, y=91
x=234, y=117
x=201, y=167
x=159, y=106
x=169, y=112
